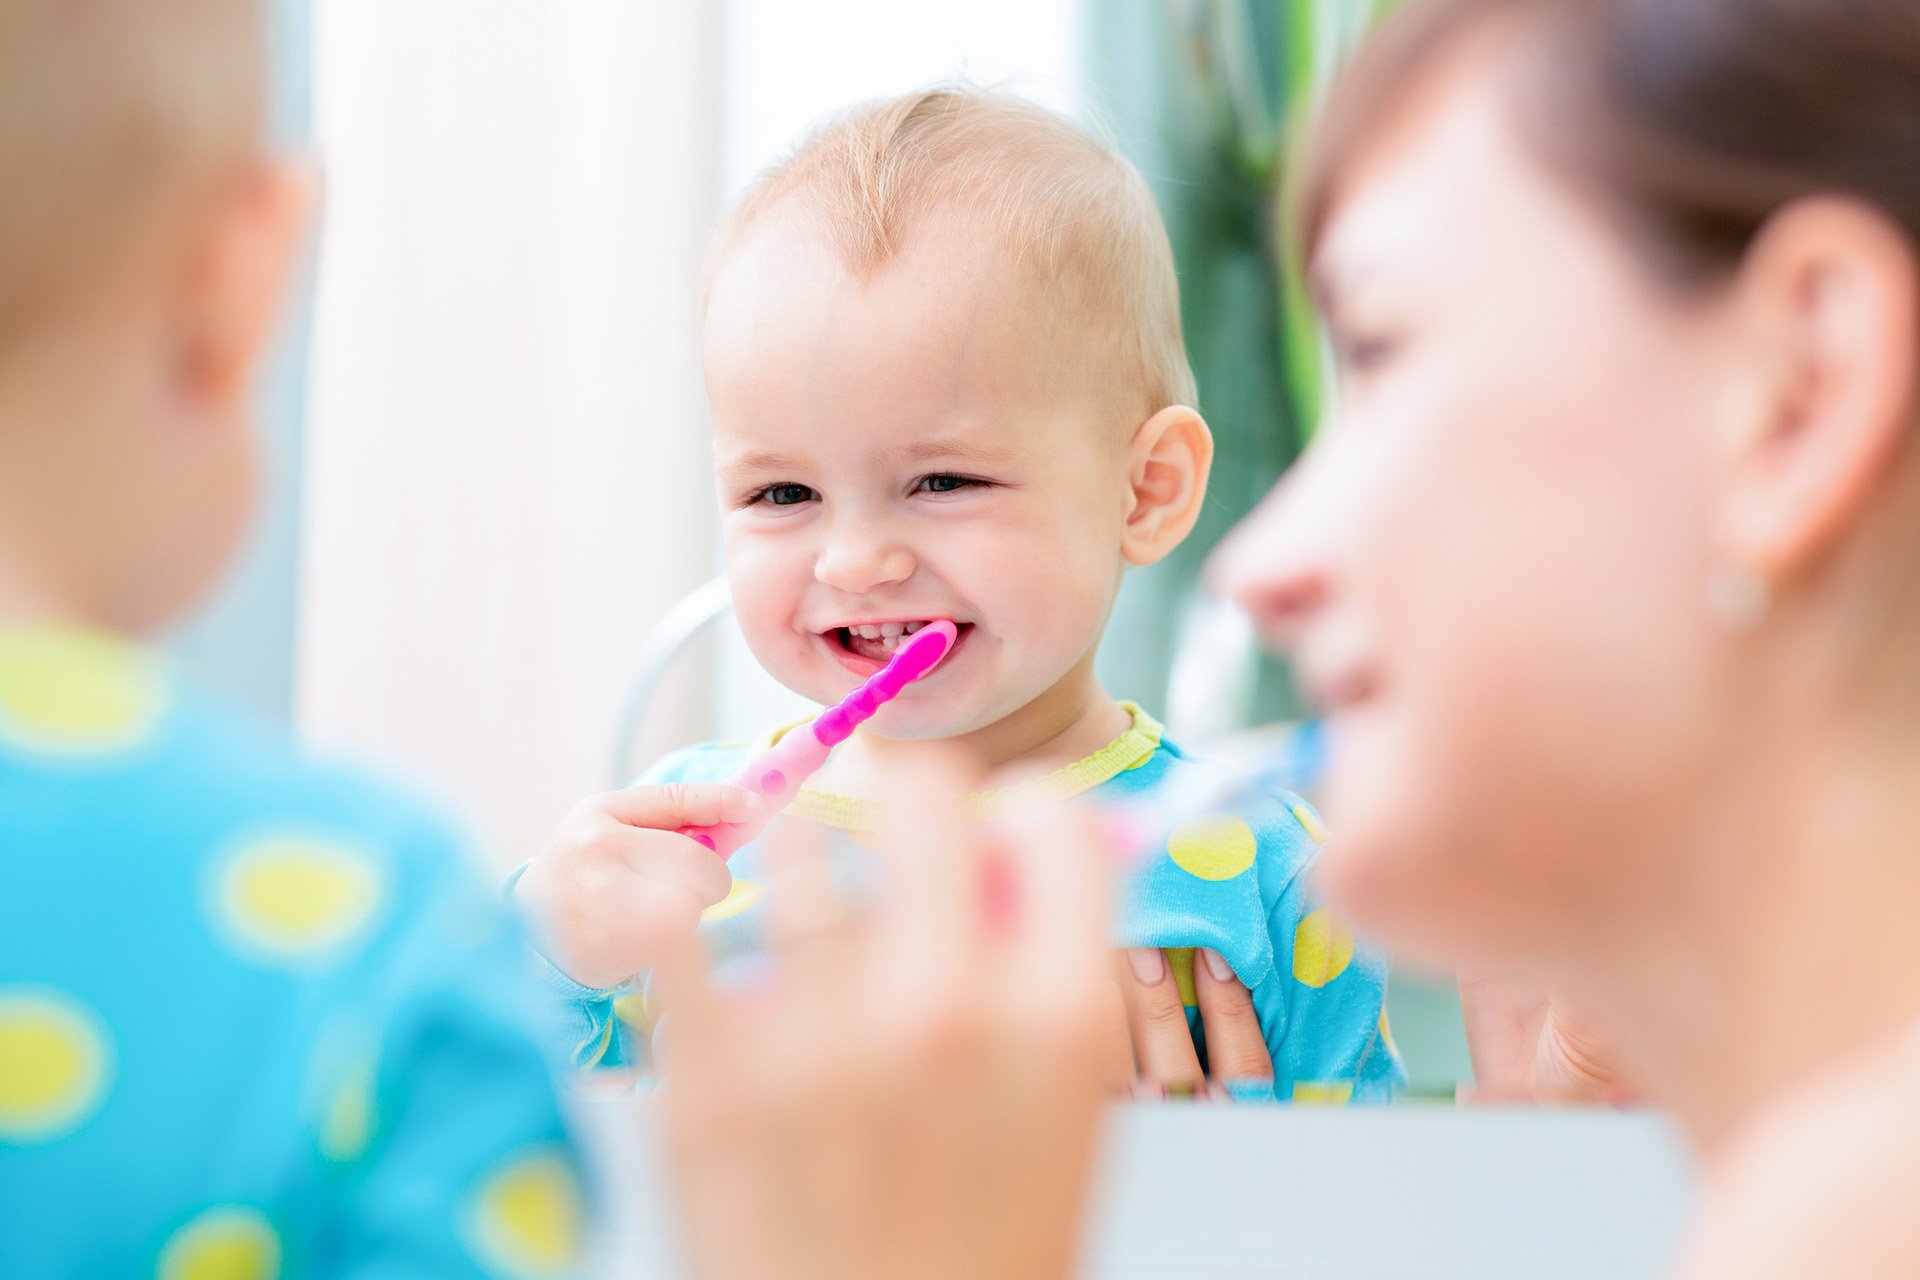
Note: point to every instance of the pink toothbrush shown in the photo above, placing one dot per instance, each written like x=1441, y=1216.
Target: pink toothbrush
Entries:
x=779, y=772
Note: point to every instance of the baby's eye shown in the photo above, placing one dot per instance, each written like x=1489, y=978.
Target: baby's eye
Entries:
x=944, y=483
x=783, y=495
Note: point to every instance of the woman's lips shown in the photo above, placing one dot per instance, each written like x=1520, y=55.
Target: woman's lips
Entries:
x=1337, y=690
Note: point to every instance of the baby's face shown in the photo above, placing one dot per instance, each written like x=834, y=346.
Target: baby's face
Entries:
x=912, y=446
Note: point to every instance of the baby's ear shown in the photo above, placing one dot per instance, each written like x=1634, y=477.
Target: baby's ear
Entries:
x=1167, y=467
x=241, y=270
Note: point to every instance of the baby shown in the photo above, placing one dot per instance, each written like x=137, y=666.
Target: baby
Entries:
x=944, y=353
x=255, y=1017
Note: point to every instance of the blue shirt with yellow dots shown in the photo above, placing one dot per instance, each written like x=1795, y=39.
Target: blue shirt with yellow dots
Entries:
x=1235, y=882
x=254, y=1021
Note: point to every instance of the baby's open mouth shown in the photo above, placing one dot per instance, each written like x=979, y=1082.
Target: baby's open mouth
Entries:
x=877, y=641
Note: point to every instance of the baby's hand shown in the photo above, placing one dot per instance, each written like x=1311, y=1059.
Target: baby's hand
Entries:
x=614, y=884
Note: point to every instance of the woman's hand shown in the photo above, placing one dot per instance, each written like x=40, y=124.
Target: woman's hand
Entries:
x=1153, y=1053
x=1529, y=1047
x=920, y=1095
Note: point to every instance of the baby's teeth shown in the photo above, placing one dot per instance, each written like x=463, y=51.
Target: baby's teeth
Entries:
x=867, y=631
x=890, y=643
x=892, y=629
x=914, y=626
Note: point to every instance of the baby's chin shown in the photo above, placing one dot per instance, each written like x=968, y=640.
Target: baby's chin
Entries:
x=914, y=716
x=914, y=724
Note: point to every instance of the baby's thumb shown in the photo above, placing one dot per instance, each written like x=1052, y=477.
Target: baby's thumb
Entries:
x=672, y=805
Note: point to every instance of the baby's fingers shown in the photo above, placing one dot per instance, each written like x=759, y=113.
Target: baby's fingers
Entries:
x=673, y=861
x=673, y=805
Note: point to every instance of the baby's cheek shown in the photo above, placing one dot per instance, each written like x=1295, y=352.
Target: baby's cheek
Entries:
x=767, y=589
x=1065, y=594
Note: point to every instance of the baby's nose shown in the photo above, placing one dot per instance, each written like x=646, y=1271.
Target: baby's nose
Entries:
x=856, y=562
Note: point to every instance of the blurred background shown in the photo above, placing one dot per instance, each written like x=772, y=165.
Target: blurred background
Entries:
x=487, y=429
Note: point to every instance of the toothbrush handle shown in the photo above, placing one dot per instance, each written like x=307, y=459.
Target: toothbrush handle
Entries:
x=776, y=775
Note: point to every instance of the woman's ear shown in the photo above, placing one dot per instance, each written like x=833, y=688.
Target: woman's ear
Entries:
x=1167, y=467
x=1833, y=290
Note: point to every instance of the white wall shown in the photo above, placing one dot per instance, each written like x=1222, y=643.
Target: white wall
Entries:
x=790, y=64
x=507, y=457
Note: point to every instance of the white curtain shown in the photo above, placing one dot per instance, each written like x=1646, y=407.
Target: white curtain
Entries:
x=507, y=465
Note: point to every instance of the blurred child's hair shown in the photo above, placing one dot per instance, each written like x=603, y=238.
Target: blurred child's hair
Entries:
x=1077, y=218
x=115, y=116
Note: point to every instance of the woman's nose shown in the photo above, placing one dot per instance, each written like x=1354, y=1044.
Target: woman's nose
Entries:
x=1272, y=566
x=858, y=560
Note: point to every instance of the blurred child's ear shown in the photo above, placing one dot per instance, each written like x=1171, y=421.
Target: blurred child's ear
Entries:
x=1167, y=467
x=238, y=278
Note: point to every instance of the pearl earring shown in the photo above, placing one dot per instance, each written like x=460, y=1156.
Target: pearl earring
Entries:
x=1739, y=599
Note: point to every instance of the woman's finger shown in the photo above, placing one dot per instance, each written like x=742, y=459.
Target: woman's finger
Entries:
x=1054, y=957
x=1162, y=1043
x=1576, y=1064
x=1063, y=891
x=694, y=1021
x=1236, y=1049
x=931, y=928
x=810, y=926
x=1118, y=1069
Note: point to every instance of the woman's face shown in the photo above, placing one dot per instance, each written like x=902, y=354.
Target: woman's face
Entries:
x=1491, y=567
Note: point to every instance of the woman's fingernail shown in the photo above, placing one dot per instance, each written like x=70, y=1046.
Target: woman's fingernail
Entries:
x=1217, y=965
x=1149, y=966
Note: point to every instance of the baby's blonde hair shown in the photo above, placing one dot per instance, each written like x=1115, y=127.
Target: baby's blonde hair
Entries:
x=114, y=114
x=1077, y=219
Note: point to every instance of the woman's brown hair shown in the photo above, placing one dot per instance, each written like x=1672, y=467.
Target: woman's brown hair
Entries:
x=1693, y=121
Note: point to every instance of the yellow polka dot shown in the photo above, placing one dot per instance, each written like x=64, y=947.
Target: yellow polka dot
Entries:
x=347, y=1120
x=739, y=898
x=76, y=692
x=1323, y=1093
x=1180, y=960
x=1386, y=1035
x=1306, y=817
x=1322, y=948
x=527, y=1219
x=1217, y=848
x=632, y=1010
x=297, y=898
x=54, y=1064
x=230, y=1242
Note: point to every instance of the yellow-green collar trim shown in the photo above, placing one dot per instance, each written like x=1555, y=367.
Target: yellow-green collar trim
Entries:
x=1128, y=751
